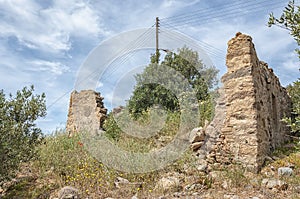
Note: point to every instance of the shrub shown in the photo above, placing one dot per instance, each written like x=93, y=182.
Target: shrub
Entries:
x=112, y=130
x=18, y=132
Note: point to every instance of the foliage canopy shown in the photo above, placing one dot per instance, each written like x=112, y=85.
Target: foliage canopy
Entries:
x=183, y=64
x=290, y=20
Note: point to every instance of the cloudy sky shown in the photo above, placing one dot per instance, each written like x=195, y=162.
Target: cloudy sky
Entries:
x=46, y=42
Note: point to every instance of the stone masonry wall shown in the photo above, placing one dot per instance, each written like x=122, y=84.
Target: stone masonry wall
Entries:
x=86, y=111
x=255, y=104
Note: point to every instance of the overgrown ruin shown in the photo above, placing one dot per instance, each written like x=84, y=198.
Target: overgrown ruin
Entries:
x=247, y=124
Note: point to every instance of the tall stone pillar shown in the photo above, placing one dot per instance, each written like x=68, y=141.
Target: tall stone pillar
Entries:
x=86, y=112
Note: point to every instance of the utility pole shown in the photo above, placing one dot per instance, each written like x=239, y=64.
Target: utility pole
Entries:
x=157, y=31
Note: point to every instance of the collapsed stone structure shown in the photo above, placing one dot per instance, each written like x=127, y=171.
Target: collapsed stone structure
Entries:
x=254, y=103
x=86, y=111
x=247, y=124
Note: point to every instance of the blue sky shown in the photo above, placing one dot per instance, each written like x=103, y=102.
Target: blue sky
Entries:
x=44, y=43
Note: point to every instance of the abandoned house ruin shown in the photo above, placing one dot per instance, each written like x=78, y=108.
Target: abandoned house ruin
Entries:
x=247, y=124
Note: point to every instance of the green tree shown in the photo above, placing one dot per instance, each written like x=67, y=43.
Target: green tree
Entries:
x=18, y=132
x=294, y=92
x=290, y=20
x=187, y=63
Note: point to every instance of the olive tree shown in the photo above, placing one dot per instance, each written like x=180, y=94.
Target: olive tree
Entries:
x=18, y=132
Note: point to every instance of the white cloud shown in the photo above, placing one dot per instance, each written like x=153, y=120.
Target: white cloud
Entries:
x=292, y=62
x=56, y=68
x=48, y=29
x=132, y=14
x=99, y=85
x=170, y=4
x=44, y=43
x=75, y=17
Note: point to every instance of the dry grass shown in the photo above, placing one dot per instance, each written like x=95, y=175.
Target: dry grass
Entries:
x=64, y=161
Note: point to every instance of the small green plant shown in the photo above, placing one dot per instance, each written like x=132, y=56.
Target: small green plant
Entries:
x=206, y=109
x=112, y=130
x=235, y=176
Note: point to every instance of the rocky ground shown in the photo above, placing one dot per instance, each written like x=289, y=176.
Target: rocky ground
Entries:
x=280, y=178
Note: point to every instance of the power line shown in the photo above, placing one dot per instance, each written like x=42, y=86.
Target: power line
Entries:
x=126, y=48
x=221, y=17
x=129, y=47
x=197, y=17
x=181, y=16
x=191, y=18
x=209, y=13
x=225, y=16
x=183, y=39
x=128, y=54
x=212, y=50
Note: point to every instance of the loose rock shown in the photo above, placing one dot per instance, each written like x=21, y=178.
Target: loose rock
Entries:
x=121, y=181
x=285, y=171
x=197, y=135
x=229, y=196
x=168, y=183
x=68, y=192
x=195, y=146
x=274, y=184
x=202, y=167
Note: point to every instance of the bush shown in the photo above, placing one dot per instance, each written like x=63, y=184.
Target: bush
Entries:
x=112, y=130
x=18, y=132
x=206, y=110
x=294, y=92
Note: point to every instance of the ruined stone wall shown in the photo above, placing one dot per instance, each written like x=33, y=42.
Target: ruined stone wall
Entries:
x=255, y=104
x=247, y=124
x=86, y=111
